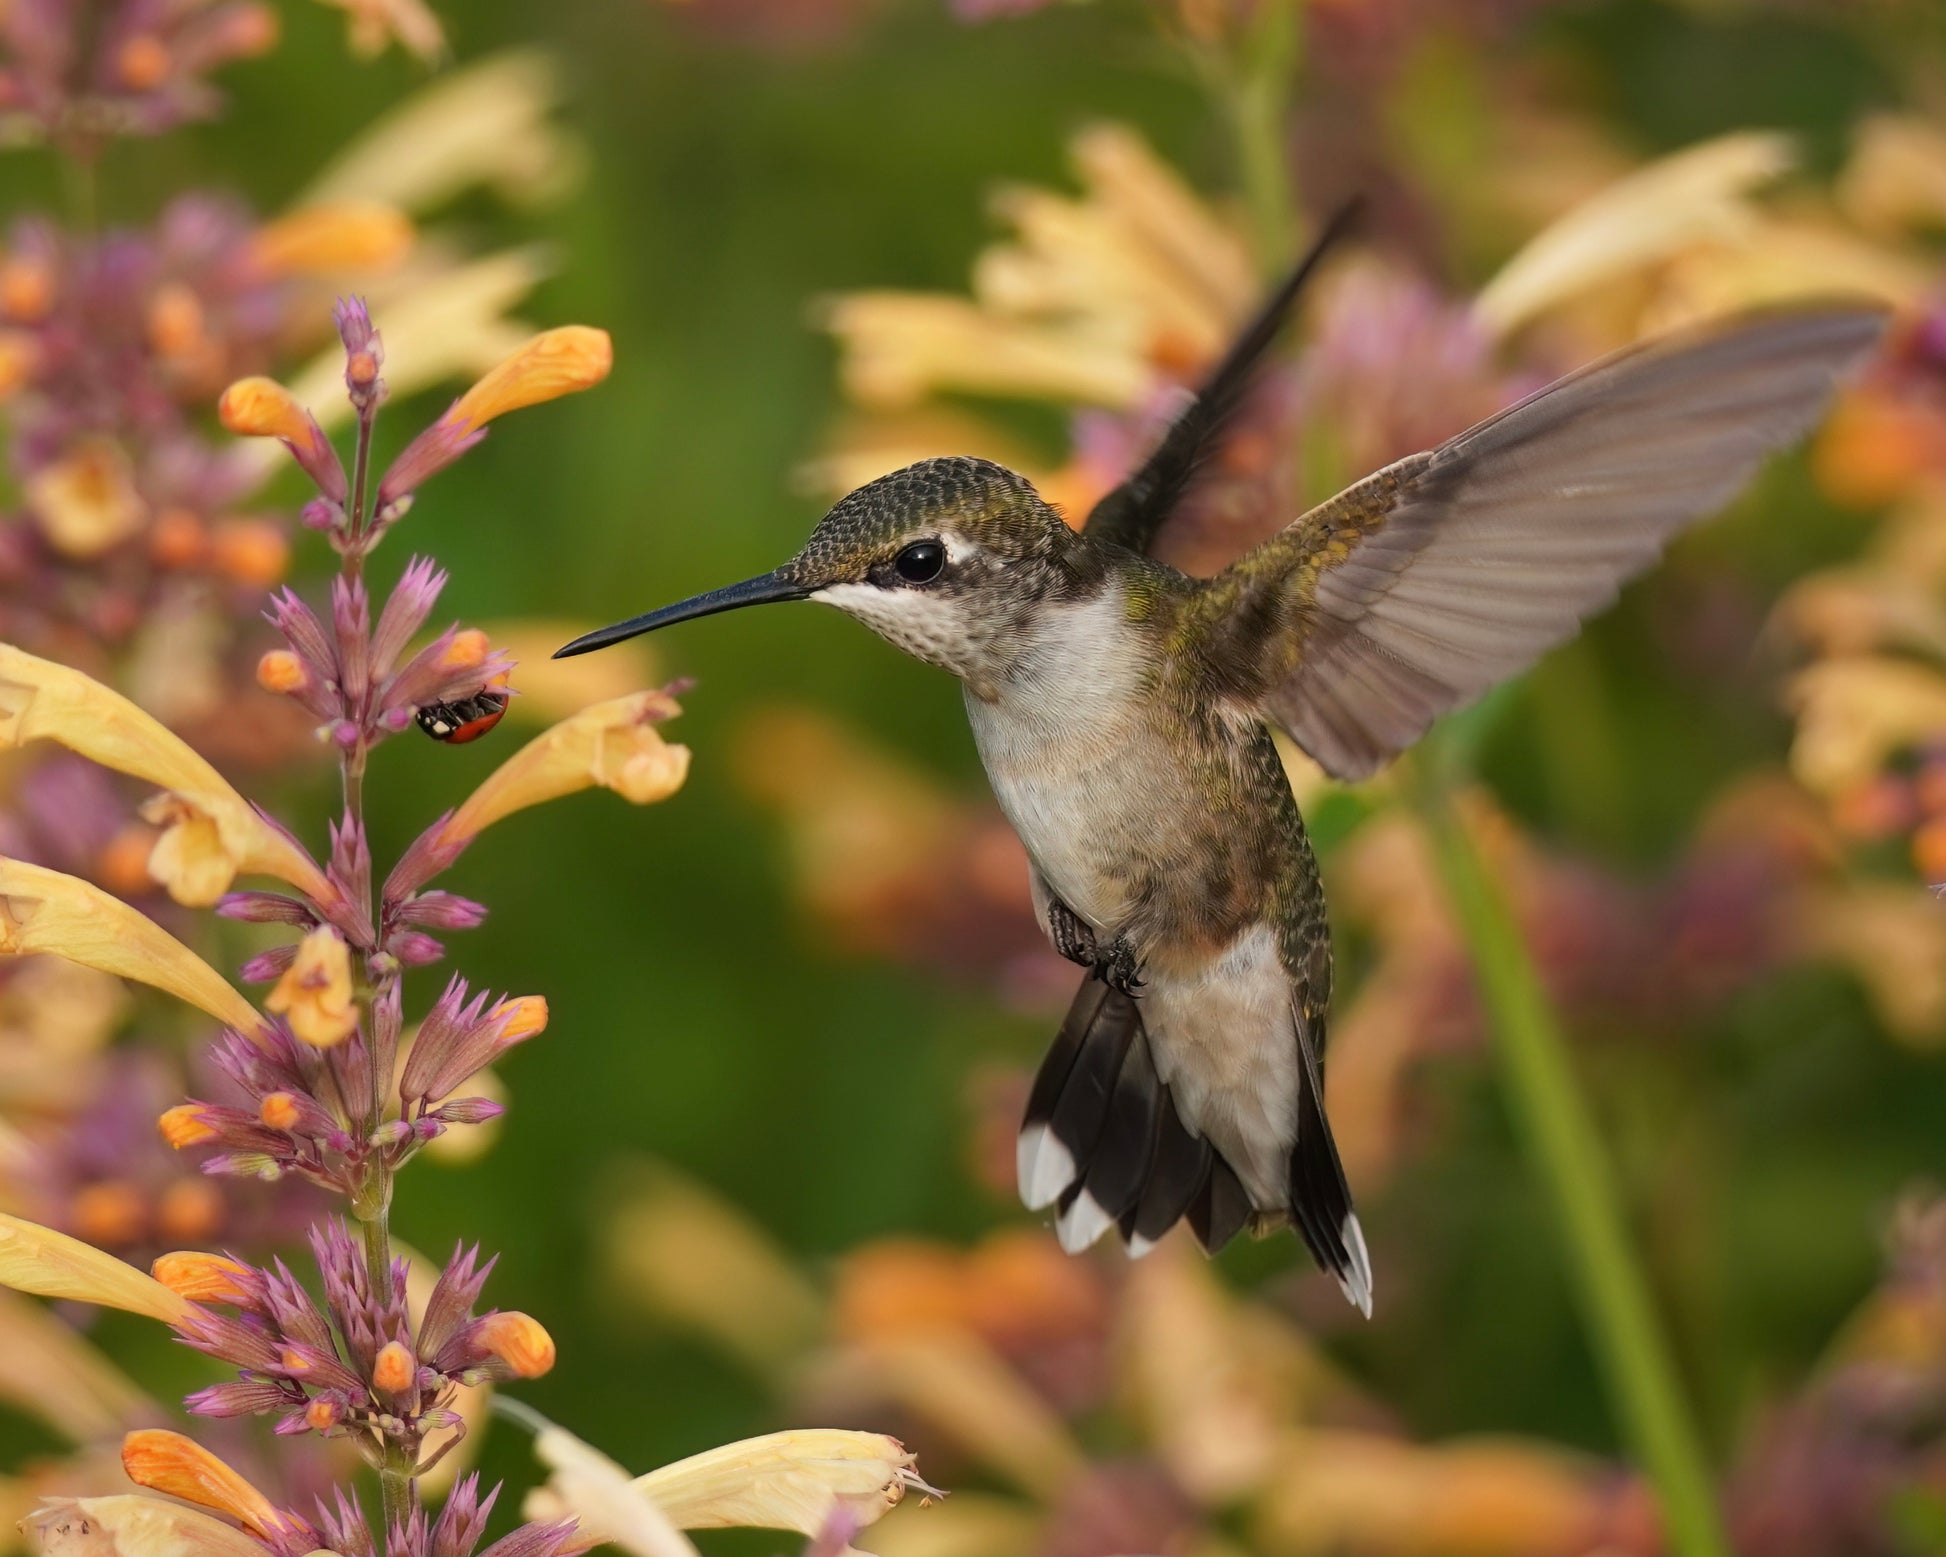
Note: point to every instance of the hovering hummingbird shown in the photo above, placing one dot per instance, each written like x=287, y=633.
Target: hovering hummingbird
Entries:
x=1124, y=711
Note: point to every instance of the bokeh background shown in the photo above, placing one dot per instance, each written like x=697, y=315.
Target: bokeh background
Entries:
x=793, y=1007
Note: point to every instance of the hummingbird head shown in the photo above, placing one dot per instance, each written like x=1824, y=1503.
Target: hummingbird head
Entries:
x=948, y=559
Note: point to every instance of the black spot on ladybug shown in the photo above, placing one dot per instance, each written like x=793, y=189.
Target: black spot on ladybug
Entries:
x=464, y=719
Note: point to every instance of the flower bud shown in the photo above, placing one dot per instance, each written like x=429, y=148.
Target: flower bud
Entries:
x=251, y=551
x=322, y=1414
x=523, y=1017
x=184, y=1125
x=26, y=290
x=394, y=1369
x=204, y=1278
x=282, y=672
x=142, y=63
x=518, y=1341
x=279, y=1111
x=175, y=321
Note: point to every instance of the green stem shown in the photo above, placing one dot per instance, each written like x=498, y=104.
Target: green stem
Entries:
x=395, y=1486
x=376, y=1220
x=1559, y=1133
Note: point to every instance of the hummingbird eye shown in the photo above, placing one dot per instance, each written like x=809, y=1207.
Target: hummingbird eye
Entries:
x=921, y=562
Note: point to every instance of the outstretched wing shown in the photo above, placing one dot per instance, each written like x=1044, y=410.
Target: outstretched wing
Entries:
x=1413, y=592
x=1132, y=514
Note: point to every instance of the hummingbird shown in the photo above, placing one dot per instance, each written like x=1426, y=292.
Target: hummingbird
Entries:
x=1123, y=711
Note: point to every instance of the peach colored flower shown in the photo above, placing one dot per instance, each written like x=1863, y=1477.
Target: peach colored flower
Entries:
x=211, y=833
x=315, y=994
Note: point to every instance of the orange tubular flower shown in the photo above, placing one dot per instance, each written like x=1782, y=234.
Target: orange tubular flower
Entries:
x=519, y=1341
x=552, y=364
x=202, y=1278
x=167, y=1462
x=264, y=408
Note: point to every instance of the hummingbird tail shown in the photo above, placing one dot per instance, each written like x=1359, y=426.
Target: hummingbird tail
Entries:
x=1320, y=1199
x=1105, y=1145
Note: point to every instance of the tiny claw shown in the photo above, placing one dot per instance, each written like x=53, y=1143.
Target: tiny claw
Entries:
x=1120, y=969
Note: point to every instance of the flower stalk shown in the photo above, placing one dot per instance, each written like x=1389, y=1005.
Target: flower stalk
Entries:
x=1564, y=1148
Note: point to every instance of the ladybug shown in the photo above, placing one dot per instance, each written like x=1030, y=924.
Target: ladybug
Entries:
x=464, y=719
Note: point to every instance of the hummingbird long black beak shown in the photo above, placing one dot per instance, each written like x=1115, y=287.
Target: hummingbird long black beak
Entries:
x=761, y=590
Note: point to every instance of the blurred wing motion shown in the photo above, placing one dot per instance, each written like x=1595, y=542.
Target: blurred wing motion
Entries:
x=1132, y=514
x=1413, y=592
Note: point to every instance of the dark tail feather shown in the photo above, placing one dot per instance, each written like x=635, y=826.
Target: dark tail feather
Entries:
x=1320, y=1198
x=1115, y=1171
x=1068, y=1108
x=1177, y=1174
x=1222, y=1210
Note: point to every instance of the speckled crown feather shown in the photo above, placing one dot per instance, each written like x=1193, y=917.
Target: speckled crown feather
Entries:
x=976, y=497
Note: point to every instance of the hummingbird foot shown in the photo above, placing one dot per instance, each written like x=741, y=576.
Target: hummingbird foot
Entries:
x=1073, y=936
x=1119, y=967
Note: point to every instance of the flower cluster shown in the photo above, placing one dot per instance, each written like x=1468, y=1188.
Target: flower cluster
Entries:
x=325, y=1083
x=355, y=1366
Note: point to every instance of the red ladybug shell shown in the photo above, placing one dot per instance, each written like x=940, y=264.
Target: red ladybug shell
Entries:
x=464, y=719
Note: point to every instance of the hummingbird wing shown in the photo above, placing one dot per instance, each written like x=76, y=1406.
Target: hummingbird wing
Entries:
x=1415, y=591
x=1132, y=514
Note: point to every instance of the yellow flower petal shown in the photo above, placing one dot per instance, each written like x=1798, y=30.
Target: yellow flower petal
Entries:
x=328, y=239
x=43, y=910
x=958, y=1384
x=552, y=364
x=85, y=503
x=1701, y=192
x=315, y=993
x=613, y=744
x=1896, y=177
x=593, y=1488
x=130, y=1525
x=900, y=347
x=485, y=123
x=785, y=1481
x=374, y=24
x=167, y=1462
x=1854, y=714
x=48, y=1264
x=40, y=700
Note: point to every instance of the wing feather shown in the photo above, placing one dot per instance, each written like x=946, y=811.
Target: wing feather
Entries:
x=1417, y=590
